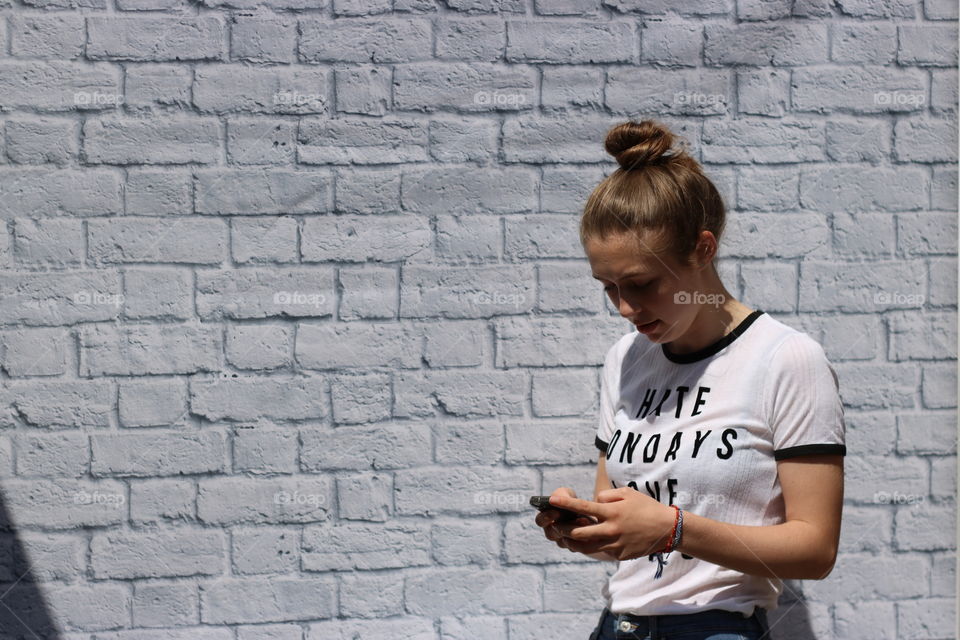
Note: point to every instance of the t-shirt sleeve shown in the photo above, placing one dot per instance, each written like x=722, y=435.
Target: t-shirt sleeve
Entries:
x=804, y=408
x=608, y=386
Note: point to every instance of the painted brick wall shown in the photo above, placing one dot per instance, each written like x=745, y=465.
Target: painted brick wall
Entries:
x=295, y=316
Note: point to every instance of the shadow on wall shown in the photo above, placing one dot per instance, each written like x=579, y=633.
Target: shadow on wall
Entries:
x=24, y=614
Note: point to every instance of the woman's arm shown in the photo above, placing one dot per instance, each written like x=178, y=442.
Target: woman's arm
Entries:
x=632, y=525
x=804, y=547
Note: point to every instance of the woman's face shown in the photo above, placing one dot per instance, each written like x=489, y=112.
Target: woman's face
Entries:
x=644, y=287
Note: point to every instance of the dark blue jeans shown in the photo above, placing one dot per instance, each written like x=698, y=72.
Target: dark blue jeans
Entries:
x=714, y=624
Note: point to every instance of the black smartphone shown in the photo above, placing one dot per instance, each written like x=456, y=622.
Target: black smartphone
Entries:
x=543, y=503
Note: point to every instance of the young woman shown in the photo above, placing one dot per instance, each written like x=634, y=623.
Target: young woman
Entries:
x=721, y=431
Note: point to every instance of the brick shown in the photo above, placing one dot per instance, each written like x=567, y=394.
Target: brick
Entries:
x=570, y=42
x=918, y=140
x=157, y=85
x=149, y=349
x=567, y=7
x=529, y=139
x=237, y=600
x=238, y=500
x=59, y=85
x=943, y=92
x=758, y=141
x=927, y=45
x=35, y=352
x=52, y=36
x=785, y=44
x=849, y=239
x=536, y=443
x=165, y=605
x=361, y=7
x=345, y=345
x=43, y=192
x=51, y=556
x=246, y=89
x=59, y=298
x=264, y=239
x=368, y=191
x=940, y=10
x=468, y=443
x=455, y=190
x=878, y=8
x=62, y=454
x=464, y=292
x=858, y=141
x=578, y=87
x=42, y=140
x=51, y=242
x=365, y=496
x=348, y=238
x=366, y=595
x=463, y=140
x=863, y=43
x=158, y=454
x=768, y=189
x=155, y=554
x=696, y=8
x=671, y=43
x=371, y=293
x=459, y=393
x=150, y=192
x=258, y=550
x=262, y=191
x=360, y=399
x=566, y=287
x=859, y=287
x=350, y=140
x=188, y=240
x=261, y=141
x=763, y=92
x=66, y=503
x=538, y=343
x=469, y=237
x=261, y=451
x=476, y=39
x=681, y=92
x=85, y=607
x=943, y=282
x=159, y=140
x=455, y=344
x=771, y=287
x=363, y=89
x=347, y=546
x=929, y=433
x=474, y=87
x=864, y=89
x=486, y=6
x=361, y=448
x=563, y=393
x=943, y=190
x=263, y=39
x=250, y=398
x=62, y=404
x=261, y=293
x=385, y=40
x=259, y=346
x=463, y=543
x=856, y=189
x=870, y=386
x=157, y=293
x=470, y=591
x=155, y=501
x=926, y=233
x=426, y=490
x=153, y=39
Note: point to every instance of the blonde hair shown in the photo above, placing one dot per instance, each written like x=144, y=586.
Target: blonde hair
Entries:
x=658, y=187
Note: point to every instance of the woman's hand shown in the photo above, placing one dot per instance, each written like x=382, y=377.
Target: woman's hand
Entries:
x=547, y=519
x=630, y=524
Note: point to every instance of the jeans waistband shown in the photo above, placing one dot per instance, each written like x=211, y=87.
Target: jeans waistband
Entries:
x=722, y=618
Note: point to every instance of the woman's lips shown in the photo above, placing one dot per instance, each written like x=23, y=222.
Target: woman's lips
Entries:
x=647, y=328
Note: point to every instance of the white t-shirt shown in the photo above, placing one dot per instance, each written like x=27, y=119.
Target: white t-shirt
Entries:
x=703, y=431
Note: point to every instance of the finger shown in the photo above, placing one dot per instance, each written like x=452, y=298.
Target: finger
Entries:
x=592, y=533
x=580, y=506
x=612, y=495
x=546, y=518
x=565, y=491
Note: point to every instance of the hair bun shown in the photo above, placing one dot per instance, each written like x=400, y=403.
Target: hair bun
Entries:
x=635, y=144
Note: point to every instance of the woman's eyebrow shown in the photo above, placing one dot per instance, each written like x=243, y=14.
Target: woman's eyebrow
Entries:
x=632, y=274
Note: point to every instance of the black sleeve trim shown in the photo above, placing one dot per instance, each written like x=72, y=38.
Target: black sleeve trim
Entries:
x=810, y=450
x=600, y=444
